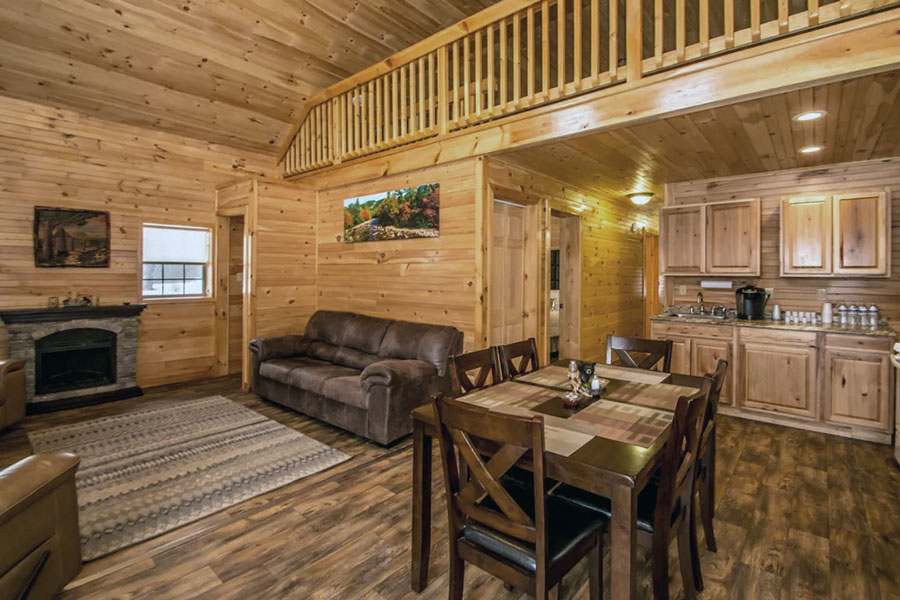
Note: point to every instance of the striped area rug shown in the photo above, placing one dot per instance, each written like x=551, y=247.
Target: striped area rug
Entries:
x=167, y=464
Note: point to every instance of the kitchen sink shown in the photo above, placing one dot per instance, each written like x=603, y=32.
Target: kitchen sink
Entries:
x=717, y=317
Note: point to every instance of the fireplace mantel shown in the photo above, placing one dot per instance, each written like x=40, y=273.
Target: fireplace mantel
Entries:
x=69, y=313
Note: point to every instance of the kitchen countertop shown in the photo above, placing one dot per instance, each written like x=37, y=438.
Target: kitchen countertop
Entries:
x=883, y=330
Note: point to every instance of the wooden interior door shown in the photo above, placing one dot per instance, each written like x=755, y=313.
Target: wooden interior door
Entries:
x=733, y=237
x=507, y=283
x=806, y=236
x=861, y=229
x=682, y=234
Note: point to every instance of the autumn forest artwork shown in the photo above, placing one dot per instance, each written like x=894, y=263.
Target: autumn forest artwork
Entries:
x=70, y=238
x=397, y=215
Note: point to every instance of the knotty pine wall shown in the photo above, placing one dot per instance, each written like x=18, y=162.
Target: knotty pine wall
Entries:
x=798, y=293
x=612, y=252
x=61, y=159
x=430, y=280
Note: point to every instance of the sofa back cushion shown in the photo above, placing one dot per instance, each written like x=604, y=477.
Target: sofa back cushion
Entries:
x=420, y=341
x=327, y=326
x=346, y=338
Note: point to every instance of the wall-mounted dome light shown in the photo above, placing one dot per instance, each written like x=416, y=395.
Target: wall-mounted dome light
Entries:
x=640, y=198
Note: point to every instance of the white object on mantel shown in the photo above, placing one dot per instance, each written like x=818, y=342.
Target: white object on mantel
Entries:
x=716, y=285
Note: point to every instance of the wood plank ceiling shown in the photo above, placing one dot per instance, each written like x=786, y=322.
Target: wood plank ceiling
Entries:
x=862, y=123
x=231, y=72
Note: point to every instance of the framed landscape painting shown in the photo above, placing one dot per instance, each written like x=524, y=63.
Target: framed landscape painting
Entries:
x=403, y=214
x=70, y=238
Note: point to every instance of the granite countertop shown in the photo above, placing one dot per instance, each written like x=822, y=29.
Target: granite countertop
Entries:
x=883, y=330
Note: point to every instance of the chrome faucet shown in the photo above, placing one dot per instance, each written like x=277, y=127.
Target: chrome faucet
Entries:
x=700, y=302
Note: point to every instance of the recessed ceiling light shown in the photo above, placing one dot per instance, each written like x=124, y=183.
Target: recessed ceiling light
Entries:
x=811, y=115
x=641, y=198
x=810, y=149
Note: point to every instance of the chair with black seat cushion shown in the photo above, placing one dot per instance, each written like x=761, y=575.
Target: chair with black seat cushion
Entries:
x=487, y=364
x=665, y=507
x=519, y=358
x=625, y=347
x=515, y=532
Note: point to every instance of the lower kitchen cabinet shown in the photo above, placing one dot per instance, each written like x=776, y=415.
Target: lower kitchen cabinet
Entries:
x=705, y=355
x=780, y=379
x=858, y=388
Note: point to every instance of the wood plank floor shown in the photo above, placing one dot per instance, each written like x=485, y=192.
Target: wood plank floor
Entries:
x=800, y=515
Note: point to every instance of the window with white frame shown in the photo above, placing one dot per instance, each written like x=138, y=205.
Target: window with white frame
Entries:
x=176, y=261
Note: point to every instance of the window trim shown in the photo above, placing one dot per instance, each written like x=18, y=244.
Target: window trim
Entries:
x=208, y=273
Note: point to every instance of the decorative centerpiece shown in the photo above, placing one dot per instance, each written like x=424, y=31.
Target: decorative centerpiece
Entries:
x=584, y=383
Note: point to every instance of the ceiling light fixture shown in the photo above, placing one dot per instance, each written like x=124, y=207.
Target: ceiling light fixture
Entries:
x=811, y=115
x=641, y=198
x=810, y=149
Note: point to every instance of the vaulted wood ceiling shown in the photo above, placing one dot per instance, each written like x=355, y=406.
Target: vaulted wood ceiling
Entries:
x=863, y=122
x=230, y=72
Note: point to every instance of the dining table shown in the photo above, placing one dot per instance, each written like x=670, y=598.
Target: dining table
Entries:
x=610, y=445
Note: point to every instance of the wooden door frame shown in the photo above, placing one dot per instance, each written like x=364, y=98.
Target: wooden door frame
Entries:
x=570, y=257
x=651, y=278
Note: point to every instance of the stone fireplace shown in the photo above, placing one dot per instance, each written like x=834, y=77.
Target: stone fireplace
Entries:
x=75, y=356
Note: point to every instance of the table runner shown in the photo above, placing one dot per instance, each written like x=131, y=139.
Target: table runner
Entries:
x=629, y=423
x=558, y=376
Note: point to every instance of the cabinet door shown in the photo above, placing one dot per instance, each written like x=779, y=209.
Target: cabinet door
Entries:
x=861, y=234
x=806, y=236
x=705, y=356
x=857, y=388
x=779, y=379
x=733, y=237
x=681, y=239
x=681, y=351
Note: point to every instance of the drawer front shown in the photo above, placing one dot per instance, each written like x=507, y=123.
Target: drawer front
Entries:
x=858, y=342
x=662, y=329
x=777, y=336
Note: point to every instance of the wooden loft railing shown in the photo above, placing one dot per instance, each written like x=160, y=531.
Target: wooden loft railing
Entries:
x=519, y=54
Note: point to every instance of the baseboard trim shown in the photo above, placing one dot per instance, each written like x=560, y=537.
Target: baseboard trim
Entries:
x=37, y=408
x=855, y=433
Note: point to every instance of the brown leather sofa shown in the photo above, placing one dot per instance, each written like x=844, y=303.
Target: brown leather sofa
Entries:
x=356, y=372
x=40, y=550
x=12, y=392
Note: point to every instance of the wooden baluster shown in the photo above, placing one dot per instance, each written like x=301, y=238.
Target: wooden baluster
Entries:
x=388, y=113
x=432, y=106
x=422, y=106
x=503, y=65
x=456, y=82
x=576, y=44
x=467, y=75
x=517, y=59
x=358, y=116
x=657, y=32
x=412, y=99
x=545, y=49
x=342, y=119
x=680, y=30
x=298, y=140
x=783, y=16
x=443, y=82
x=813, y=11
x=379, y=111
x=595, y=41
x=478, y=59
x=395, y=104
x=314, y=136
x=614, y=39
x=729, y=23
x=324, y=156
x=704, y=25
x=529, y=40
x=370, y=101
x=633, y=41
x=318, y=126
x=302, y=136
x=490, y=68
x=561, y=47
x=404, y=104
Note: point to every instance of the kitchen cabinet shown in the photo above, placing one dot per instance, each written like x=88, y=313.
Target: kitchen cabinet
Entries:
x=705, y=356
x=696, y=350
x=806, y=236
x=733, y=238
x=718, y=238
x=836, y=235
x=779, y=379
x=858, y=383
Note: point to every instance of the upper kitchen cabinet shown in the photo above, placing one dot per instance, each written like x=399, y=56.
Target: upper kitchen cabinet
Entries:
x=835, y=235
x=861, y=234
x=806, y=236
x=733, y=238
x=719, y=238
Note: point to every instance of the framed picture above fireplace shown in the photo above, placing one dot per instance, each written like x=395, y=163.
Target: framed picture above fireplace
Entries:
x=70, y=238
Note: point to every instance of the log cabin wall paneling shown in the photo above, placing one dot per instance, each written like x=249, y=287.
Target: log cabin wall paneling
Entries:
x=795, y=293
x=58, y=158
x=611, y=246
x=425, y=280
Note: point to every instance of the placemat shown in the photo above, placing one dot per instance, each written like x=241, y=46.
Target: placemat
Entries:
x=558, y=376
x=627, y=423
x=660, y=395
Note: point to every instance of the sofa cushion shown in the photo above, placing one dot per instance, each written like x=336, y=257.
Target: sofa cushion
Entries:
x=355, y=359
x=365, y=333
x=325, y=351
x=313, y=378
x=280, y=369
x=328, y=326
x=431, y=343
x=348, y=390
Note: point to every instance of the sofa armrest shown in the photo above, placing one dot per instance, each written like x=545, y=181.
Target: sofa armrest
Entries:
x=9, y=365
x=396, y=373
x=29, y=480
x=279, y=347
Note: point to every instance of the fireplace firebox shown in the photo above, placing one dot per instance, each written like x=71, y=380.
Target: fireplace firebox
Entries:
x=75, y=359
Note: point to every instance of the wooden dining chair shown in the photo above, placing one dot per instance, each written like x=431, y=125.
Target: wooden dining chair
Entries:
x=625, y=347
x=515, y=532
x=485, y=362
x=524, y=353
x=705, y=485
x=664, y=506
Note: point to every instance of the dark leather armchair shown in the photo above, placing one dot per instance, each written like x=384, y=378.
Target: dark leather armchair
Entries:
x=41, y=548
x=12, y=392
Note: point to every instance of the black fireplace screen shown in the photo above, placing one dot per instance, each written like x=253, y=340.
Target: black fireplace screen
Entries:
x=75, y=359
